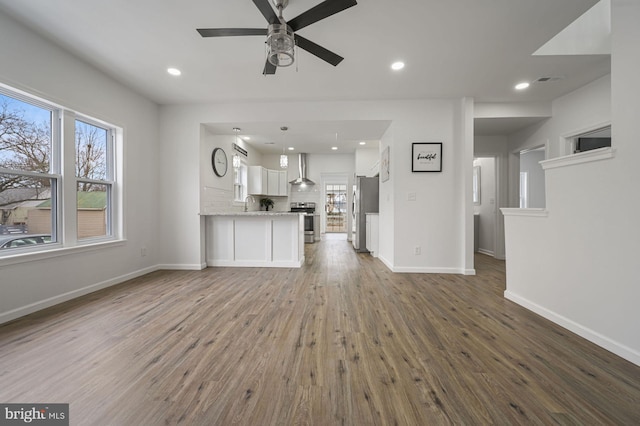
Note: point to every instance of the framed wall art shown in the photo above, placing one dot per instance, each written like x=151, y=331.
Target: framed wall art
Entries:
x=384, y=165
x=426, y=157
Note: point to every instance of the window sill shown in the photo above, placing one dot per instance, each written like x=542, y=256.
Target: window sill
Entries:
x=580, y=158
x=57, y=251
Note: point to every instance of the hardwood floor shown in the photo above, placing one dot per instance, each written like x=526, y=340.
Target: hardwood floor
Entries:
x=340, y=341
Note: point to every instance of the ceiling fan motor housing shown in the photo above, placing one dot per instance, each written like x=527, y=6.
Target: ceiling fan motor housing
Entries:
x=280, y=3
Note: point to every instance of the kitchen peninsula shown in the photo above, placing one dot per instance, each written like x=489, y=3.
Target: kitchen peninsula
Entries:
x=255, y=239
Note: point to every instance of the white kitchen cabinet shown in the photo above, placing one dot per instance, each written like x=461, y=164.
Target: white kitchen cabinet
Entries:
x=255, y=239
x=261, y=181
x=372, y=224
x=283, y=183
x=273, y=182
x=257, y=180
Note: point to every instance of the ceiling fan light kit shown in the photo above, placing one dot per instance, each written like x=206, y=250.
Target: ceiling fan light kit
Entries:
x=280, y=45
x=281, y=38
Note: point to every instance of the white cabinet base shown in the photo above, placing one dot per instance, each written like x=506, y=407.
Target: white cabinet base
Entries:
x=255, y=240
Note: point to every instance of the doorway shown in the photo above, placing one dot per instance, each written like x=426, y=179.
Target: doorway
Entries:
x=532, y=179
x=485, y=205
x=335, y=208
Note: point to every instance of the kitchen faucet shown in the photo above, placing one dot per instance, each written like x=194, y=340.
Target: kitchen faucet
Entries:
x=249, y=197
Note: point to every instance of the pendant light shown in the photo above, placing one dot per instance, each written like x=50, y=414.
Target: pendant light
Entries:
x=284, y=159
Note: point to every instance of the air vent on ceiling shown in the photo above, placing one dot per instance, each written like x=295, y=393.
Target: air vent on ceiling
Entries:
x=547, y=79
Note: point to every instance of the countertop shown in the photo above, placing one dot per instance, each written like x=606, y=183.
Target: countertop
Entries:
x=252, y=213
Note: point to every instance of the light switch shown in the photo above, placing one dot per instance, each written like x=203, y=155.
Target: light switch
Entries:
x=411, y=196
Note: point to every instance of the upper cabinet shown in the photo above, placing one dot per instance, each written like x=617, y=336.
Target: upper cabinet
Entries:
x=273, y=183
x=283, y=187
x=257, y=180
x=263, y=181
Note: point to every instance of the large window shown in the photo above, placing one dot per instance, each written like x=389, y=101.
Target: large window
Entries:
x=37, y=206
x=29, y=177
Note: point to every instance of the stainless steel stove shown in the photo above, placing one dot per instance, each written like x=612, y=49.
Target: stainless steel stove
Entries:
x=309, y=209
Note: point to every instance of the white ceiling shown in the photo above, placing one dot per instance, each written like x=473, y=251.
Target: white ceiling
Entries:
x=451, y=49
x=315, y=137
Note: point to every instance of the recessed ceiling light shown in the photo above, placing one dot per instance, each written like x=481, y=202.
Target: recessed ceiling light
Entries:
x=291, y=148
x=174, y=71
x=363, y=143
x=396, y=66
x=522, y=86
x=335, y=148
x=246, y=138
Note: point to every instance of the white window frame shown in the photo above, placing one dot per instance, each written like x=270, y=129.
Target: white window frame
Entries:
x=64, y=183
x=244, y=181
x=109, y=180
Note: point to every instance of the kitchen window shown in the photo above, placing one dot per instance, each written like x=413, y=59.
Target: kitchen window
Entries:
x=240, y=171
x=43, y=201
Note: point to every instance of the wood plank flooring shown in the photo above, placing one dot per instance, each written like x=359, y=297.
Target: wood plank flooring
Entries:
x=340, y=341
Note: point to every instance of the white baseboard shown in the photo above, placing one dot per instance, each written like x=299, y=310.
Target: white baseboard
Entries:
x=182, y=266
x=421, y=270
x=487, y=252
x=386, y=262
x=611, y=345
x=257, y=263
x=46, y=303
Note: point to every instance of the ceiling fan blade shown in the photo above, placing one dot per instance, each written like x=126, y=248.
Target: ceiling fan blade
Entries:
x=321, y=11
x=269, y=68
x=317, y=50
x=227, y=32
x=267, y=11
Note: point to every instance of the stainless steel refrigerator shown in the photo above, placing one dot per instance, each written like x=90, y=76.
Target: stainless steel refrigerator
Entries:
x=365, y=200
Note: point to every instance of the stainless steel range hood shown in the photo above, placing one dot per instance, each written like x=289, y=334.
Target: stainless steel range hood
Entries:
x=302, y=169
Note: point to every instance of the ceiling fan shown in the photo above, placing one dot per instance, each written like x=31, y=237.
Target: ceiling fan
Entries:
x=281, y=37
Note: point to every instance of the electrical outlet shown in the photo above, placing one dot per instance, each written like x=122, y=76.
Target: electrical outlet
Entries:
x=417, y=250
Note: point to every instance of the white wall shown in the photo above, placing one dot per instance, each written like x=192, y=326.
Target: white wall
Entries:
x=572, y=114
x=367, y=161
x=435, y=221
x=35, y=65
x=578, y=266
x=216, y=193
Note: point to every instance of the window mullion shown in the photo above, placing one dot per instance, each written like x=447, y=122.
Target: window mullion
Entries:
x=68, y=199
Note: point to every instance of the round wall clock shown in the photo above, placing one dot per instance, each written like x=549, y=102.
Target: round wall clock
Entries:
x=219, y=162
